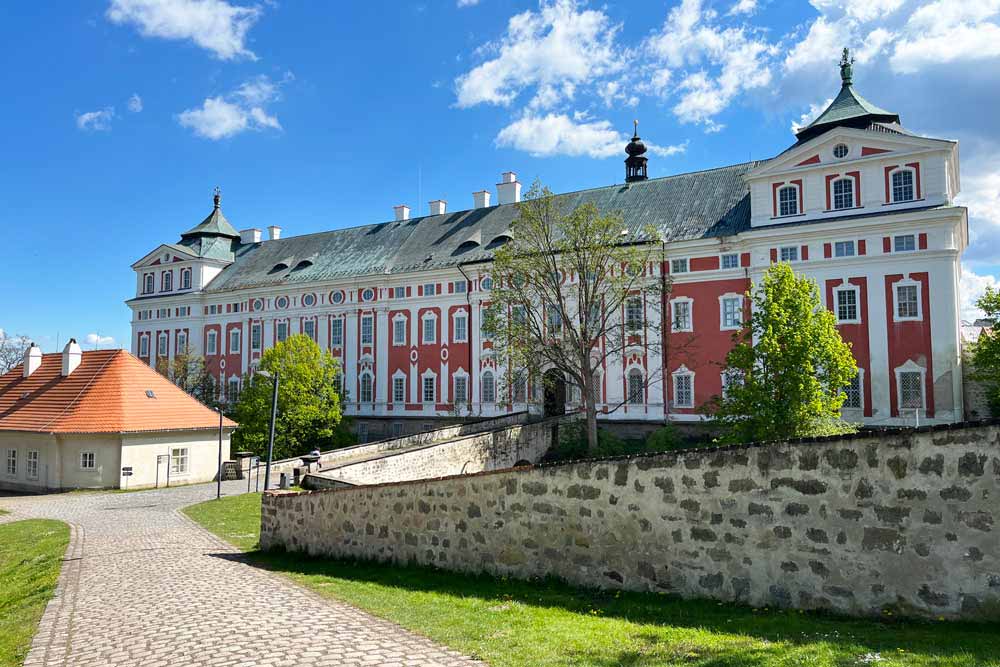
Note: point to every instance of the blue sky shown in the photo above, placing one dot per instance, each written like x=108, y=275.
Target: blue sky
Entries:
x=121, y=116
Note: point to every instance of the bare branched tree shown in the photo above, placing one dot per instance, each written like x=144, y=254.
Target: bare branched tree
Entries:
x=12, y=351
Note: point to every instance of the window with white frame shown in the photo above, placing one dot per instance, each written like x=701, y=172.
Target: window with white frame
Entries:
x=234, y=341
x=847, y=305
x=843, y=249
x=789, y=253
x=902, y=185
x=88, y=461
x=255, y=339
x=179, y=460
x=731, y=260
x=309, y=300
x=489, y=387
x=636, y=387
x=683, y=389
x=399, y=389
x=460, y=287
x=429, y=330
x=143, y=346
x=182, y=342
x=679, y=265
x=367, y=395
x=309, y=328
x=429, y=389
x=367, y=330
x=731, y=377
x=11, y=462
x=398, y=292
x=167, y=281
x=907, y=301
x=338, y=384
x=161, y=345
x=461, y=389
x=852, y=393
x=521, y=387
x=147, y=283
x=430, y=289
x=185, y=278
x=731, y=312
x=31, y=464
x=597, y=381
x=633, y=313
x=460, y=334
x=553, y=320
x=843, y=193
x=233, y=392
x=681, y=315
x=911, y=390
x=336, y=332
x=399, y=331
x=904, y=243
x=788, y=200
x=281, y=332
x=212, y=342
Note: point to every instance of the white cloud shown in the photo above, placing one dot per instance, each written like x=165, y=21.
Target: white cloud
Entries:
x=744, y=7
x=971, y=287
x=99, y=120
x=214, y=25
x=135, y=103
x=97, y=340
x=554, y=48
x=966, y=43
x=467, y=3
x=221, y=117
x=559, y=134
x=812, y=114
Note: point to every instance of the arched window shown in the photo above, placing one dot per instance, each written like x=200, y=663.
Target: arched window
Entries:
x=489, y=388
x=167, y=282
x=635, y=387
x=185, y=278
x=843, y=193
x=788, y=200
x=902, y=185
x=366, y=388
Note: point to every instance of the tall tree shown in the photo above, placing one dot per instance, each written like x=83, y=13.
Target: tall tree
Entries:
x=788, y=368
x=572, y=290
x=12, y=350
x=189, y=372
x=986, y=350
x=309, y=413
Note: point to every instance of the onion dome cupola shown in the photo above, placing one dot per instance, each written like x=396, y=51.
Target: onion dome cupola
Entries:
x=848, y=109
x=214, y=236
x=635, y=163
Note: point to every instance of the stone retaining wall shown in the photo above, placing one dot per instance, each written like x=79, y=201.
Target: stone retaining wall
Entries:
x=905, y=521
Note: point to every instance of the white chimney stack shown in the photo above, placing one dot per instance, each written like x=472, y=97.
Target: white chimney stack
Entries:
x=273, y=233
x=508, y=189
x=71, y=357
x=402, y=212
x=438, y=207
x=251, y=235
x=481, y=199
x=32, y=360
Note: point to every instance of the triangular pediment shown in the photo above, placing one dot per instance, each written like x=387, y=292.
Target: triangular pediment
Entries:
x=167, y=253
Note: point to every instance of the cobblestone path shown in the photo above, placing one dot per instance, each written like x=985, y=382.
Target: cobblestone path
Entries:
x=143, y=585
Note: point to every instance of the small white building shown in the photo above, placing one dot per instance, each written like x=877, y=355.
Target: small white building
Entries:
x=102, y=419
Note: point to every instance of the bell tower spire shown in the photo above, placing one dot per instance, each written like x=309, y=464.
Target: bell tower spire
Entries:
x=846, y=68
x=635, y=163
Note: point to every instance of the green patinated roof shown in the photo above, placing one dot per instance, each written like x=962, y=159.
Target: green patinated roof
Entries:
x=703, y=204
x=847, y=109
x=214, y=225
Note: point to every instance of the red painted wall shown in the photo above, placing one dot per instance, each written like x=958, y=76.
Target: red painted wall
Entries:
x=909, y=340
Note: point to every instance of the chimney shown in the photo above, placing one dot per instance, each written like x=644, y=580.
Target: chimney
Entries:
x=32, y=360
x=273, y=233
x=71, y=357
x=402, y=212
x=438, y=206
x=248, y=236
x=508, y=189
x=481, y=199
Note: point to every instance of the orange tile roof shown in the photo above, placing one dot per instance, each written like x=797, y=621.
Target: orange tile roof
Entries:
x=105, y=394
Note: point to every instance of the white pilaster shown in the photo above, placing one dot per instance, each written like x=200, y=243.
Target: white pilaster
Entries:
x=351, y=355
x=381, y=355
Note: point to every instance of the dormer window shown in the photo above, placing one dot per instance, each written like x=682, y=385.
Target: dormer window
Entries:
x=788, y=200
x=840, y=151
x=902, y=186
x=843, y=193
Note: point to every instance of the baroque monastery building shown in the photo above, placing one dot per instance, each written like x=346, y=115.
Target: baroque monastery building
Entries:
x=858, y=203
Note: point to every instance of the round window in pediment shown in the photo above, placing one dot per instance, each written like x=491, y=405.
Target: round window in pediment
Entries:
x=840, y=151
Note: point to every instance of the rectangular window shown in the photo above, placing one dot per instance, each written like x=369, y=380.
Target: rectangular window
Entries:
x=461, y=389
x=902, y=186
x=460, y=286
x=904, y=243
x=684, y=390
x=679, y=265
x=161, y=345
x=399, y=331
x=681, y=315
x=907, y=306
x=178, y=460
x=255, y=339
x=398, y=292
x=911, y=390
x=852, y=393
x=397, y=429
x=147, y=284
x=88, y=461
x=234, y=341
x=12, y=462
x=788, y=200
x=367, y=331
x=309, y=328
x=461, y=334
x=211, y=342
x=732, y=312
x=336, y=332
x=31, y=464
x=731, y=377
x=843, y=193
x=553, y=320
x=847, y=305
x=182, y=342
x=789, y=254
x=428, y=386
x=489, y=388
x=186, y=279
x=430, y=330
x=143, y=346
x=633, y=314
x=233, y=391
x=521, y=388
x=281, y=332
x=430, y=289
x=367, y=393
x=843, y=249
x=167, y=281
x=398, y=389
x=731, y=261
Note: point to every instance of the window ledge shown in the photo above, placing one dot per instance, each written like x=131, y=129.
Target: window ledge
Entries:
x=790, y=215
x=908, y=319
x=905, y=201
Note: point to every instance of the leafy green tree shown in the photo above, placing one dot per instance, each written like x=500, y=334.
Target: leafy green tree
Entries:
x=561, y=291
x=309, y=413
x=189, y=372
x=788, y=367
x=986, y=350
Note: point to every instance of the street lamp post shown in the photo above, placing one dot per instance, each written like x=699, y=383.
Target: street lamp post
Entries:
x=274, y=417
x=218, y=485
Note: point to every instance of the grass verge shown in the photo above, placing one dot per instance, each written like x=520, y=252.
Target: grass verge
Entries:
x=30, y=557
x=511, y=623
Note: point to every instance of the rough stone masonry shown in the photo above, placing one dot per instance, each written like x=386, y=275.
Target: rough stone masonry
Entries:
x=903, y=521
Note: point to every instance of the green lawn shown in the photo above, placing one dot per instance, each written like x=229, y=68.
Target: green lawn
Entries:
x=512, y=623
x=30, y=557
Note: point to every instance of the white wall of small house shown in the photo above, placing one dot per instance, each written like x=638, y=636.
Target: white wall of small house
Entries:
x=140, y=451
x=22, y=443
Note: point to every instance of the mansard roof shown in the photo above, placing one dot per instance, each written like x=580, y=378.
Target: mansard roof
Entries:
x=848, y=109
x=690, y=206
